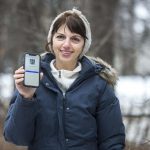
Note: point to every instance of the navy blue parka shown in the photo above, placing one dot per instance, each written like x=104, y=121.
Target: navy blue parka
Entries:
x=86, y=117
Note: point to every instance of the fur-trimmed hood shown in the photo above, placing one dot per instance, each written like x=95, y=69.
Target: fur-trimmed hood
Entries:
x=107, y=72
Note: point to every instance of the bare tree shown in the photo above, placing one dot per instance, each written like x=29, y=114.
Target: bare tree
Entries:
x=125, y=39
x=24, y=28
x=28, y=23
x=102, y=19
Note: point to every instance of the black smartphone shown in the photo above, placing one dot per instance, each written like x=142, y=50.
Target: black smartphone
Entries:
x=32, y=70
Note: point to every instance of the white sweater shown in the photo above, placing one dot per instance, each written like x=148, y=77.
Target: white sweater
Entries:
x=65, y=78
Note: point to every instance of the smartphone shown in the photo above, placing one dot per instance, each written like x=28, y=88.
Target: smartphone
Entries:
x=32, y=70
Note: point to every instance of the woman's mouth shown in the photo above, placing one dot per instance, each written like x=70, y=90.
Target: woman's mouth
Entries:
x=66, y=53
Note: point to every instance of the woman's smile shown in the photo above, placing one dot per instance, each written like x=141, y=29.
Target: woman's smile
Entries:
x=66, y=53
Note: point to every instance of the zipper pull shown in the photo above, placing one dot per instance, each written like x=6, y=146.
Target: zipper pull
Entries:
x=64, y=94
x=59, y=73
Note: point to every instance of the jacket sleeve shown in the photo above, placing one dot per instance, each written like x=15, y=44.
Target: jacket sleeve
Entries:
x=111, y=132
x=20, y=120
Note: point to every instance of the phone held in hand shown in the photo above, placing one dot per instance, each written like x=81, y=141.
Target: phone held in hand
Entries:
x=32, y=70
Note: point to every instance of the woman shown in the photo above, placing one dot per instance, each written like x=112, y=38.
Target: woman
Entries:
x=75, y=107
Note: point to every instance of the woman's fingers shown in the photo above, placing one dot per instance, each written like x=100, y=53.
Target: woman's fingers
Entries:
x=19, y=73
x=21, y=67
x=20, y=70
x=17, y=76
x=19, y=81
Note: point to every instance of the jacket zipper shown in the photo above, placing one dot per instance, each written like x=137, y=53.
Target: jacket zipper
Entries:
x=59, y=72
x=64, y=95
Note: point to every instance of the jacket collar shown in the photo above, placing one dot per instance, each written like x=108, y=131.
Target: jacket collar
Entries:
x=87, y=67
x=90, y=66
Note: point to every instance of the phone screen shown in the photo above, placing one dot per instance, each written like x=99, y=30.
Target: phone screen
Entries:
x=32, y=70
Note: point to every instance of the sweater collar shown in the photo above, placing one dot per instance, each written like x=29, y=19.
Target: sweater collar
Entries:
x=65, y=73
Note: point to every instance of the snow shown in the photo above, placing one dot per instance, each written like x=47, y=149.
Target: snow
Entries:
x=6, y=86
x=141, y=11
x=133, y=91
x=139, y=26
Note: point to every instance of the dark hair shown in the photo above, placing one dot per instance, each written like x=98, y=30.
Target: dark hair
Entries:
x=73, y=22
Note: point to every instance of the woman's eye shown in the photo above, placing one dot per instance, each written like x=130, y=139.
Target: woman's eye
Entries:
x=60, y=37
x=75, y=39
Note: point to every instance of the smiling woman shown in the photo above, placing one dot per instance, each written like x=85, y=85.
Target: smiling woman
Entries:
x=74, y=107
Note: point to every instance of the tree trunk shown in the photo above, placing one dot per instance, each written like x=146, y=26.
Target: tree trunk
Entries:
x=102, y=24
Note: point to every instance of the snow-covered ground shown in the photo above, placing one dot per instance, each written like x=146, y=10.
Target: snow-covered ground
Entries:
x=133, y=90
x=133, y=93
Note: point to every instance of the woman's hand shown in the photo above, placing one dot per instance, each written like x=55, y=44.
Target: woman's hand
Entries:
x=26, y=92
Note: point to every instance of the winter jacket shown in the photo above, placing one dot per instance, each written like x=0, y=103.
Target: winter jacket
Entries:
x=86, y=117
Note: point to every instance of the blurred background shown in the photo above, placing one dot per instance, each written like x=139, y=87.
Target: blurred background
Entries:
x=121, y=36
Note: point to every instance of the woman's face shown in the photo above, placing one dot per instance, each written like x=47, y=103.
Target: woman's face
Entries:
x=67, y=47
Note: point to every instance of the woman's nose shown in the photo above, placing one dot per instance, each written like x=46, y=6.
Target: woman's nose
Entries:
x=67, y=42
